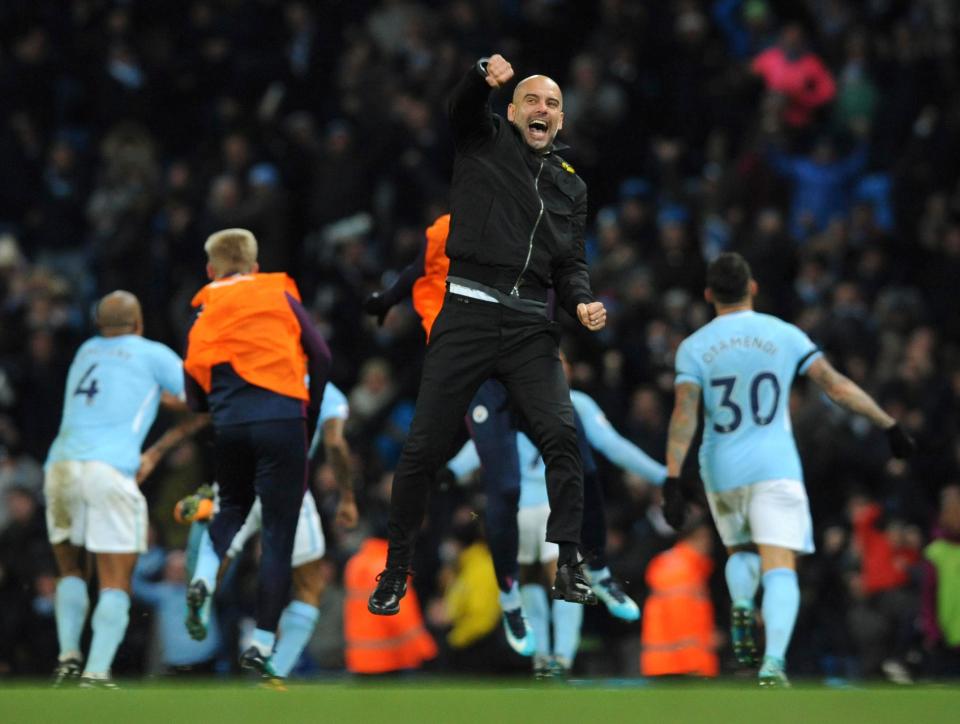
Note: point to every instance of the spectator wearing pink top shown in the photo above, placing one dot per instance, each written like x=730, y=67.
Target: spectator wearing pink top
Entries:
x=796, y=74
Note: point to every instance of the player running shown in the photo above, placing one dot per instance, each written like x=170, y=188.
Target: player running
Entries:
x=742, y=364
x=300, y=616
x=114, y=388
x=513, y=468
x=255, y=360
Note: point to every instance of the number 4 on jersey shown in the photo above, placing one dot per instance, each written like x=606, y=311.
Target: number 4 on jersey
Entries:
x=91, y=389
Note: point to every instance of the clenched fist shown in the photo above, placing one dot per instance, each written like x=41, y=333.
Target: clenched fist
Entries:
x=499, y=71
x=593, y=316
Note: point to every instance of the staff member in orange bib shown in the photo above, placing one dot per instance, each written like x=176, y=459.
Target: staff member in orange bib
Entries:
x=250, y=354
x=424, y=279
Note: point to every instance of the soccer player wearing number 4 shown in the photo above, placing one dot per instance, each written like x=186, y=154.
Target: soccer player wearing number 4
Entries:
x=114, y=386
x=742, y=365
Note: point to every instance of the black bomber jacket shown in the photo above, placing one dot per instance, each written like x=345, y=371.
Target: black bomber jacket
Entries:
x=498, y=235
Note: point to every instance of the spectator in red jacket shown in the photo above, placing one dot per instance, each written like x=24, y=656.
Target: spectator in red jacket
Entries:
x=790, y=70
x=886, y=603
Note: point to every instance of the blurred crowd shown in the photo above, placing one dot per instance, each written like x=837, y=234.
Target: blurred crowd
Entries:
x=819, y=138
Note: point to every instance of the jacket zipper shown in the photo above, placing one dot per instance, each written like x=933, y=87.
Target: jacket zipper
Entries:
x=515, y=292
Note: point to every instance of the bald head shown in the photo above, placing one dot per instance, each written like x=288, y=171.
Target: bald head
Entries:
x=119, y=313
x=537, y=111
x=537, y=83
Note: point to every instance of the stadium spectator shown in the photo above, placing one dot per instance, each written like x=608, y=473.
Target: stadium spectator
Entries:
x=470, y=599
x=940, y=612
x=794, y=73
x=886, y=601
x=821, y=185
x=178, y=652
x=380, y=644
x=678, y=634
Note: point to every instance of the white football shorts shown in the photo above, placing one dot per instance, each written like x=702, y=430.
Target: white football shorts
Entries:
x=93, y=505
x=533, y=545
x=308, y=543
x=771, y=512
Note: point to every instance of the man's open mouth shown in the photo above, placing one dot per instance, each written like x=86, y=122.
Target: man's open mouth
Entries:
x=538, y=128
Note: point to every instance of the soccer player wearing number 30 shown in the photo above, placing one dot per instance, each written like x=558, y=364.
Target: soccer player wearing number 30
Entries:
x=114, y=387
x=742, y=365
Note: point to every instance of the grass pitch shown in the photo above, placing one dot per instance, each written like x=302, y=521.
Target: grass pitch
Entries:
x=464, y=701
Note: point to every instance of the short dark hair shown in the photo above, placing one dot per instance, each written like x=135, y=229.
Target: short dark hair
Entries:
x=728, y=277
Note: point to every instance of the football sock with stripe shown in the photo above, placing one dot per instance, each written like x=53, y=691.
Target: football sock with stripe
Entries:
x=109, y=623
x=510, y=599
x=536, y=607
x=567, y=618
x=743, y=577
x=71, y=604
x=296, y=627
x=781, y=602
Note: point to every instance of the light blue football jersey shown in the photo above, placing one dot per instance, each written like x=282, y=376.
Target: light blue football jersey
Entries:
x=111, y=399
x=533, y=471
x=745, y=363
x=334, y=406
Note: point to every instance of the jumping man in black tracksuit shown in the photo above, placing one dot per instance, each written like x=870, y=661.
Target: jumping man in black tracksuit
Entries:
x=518, y=214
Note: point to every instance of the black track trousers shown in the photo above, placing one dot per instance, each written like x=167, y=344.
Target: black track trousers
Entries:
x=472, y=341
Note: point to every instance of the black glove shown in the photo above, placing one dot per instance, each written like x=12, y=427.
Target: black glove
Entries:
x=901, y=444
x=377, y=306
x=674, y=506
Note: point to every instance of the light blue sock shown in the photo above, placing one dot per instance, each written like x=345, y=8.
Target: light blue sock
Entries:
x=536, y=607
x=296, y=626
x=567, y=618
x=781, y=602
x=70, y=606
x=109, y=622
x=598, y=574
x=208, y=563
x=511, y=599
x=263, y=641
x=743, y=578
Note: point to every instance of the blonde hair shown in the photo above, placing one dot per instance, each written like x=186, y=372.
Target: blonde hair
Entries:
x=231, y=250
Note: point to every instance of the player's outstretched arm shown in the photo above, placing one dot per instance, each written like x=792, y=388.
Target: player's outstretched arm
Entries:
x=683, y=426
x=338, y=455
x=849, y=395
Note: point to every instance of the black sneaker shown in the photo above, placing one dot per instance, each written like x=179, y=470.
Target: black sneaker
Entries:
x=571, y=585
x=67, y=672
x=97, y=682
x=391, y=587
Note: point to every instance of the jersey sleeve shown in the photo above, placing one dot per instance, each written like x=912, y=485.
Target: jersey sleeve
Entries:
x=465, y=462
x=806, y=351
x=334, y=405
x=687, y=369
x=617, y=449
x=168, y=370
